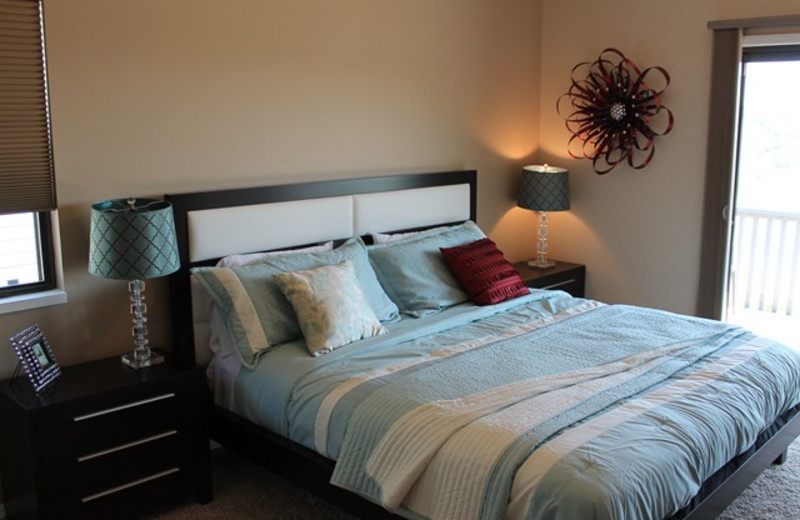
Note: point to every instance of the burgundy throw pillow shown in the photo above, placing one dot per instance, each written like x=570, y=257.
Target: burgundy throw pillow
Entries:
x=484, y=272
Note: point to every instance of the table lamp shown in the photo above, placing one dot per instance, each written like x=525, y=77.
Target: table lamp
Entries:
x=134, y=239
x=544, y=188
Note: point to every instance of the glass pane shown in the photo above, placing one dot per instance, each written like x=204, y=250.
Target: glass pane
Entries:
x=19, y=250
x=769, y=164
x=764, y=282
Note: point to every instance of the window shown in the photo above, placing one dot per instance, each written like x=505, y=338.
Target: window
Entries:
x=28, y=245
x=26, y=259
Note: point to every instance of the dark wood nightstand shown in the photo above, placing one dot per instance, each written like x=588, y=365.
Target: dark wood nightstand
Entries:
x=105, y=441
x=563, y=276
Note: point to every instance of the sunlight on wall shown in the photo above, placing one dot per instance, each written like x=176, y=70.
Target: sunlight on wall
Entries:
x=508, y=138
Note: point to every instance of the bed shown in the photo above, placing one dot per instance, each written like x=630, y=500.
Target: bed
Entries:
x=526, y=404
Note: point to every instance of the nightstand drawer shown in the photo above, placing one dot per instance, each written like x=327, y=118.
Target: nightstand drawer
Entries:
x=122, y=456
x=72, y=425
x=122, y=501
x=570, y=285
x=563, y=276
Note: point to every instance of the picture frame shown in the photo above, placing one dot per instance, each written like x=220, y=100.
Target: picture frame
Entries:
x=36, y=357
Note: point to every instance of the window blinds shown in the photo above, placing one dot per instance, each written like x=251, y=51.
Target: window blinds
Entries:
x=27, y=179
x=720, y=164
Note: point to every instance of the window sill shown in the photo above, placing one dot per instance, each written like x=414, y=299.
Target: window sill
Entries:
x=32, y=301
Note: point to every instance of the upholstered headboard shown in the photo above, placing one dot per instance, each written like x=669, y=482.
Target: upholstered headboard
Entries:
x=214, y=224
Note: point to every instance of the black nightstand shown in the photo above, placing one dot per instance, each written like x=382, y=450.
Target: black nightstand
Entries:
x=105, y=441
x=563, y=276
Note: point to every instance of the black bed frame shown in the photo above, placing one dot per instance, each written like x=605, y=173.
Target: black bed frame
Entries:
x=312, y=471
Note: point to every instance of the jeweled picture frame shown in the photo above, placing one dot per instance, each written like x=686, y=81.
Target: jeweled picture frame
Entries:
x=36, y=357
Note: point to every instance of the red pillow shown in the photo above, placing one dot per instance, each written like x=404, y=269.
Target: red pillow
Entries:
x=484, y=272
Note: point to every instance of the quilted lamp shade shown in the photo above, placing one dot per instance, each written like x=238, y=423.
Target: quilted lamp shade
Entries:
x=544, y=188
x=132, y=239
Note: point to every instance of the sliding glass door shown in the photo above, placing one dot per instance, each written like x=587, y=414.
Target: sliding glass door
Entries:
x=764, y=279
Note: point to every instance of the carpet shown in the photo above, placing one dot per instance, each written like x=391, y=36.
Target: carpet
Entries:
x=243, y=489
x=774, y=495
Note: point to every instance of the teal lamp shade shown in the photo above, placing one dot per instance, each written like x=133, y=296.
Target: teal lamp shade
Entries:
x=132, y=239
x=544, y=188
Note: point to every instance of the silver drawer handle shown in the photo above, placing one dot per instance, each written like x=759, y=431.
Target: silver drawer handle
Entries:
x=129, y=485
x=559, y=284
x=122, y=407
x=121, y=447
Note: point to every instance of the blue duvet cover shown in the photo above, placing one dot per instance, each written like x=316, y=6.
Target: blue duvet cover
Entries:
x=545, y=406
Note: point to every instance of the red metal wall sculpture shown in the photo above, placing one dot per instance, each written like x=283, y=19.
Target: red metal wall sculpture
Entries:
x=615, y=115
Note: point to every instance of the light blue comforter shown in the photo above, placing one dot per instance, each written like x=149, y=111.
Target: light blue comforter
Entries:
x=543, y=407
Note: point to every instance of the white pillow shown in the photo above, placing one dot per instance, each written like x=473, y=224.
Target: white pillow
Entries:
x=330, y=306
x=388, y=238
x=252, y=258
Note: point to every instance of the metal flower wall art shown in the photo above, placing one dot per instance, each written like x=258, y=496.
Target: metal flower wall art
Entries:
x=615, y=112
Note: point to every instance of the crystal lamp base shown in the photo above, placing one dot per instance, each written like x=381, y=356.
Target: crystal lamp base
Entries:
x=541, y=264
x=130, y=360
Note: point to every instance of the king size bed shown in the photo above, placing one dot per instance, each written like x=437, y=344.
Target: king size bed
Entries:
x=375, y=346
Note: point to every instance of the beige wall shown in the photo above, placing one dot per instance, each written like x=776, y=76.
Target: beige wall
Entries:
x=638, y=231
x=157, y=96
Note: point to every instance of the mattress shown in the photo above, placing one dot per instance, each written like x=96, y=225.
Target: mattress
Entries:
x=545, y=406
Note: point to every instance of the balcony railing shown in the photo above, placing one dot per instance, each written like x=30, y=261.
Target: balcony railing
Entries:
x=766, y=261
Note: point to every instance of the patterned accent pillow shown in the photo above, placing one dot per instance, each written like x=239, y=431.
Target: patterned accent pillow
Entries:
x=330, y=306
x=484, y=272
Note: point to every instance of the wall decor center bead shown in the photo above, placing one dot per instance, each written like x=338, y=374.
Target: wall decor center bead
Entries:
x=615, y=111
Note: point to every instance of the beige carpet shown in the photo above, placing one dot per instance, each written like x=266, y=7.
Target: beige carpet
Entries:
x=243, y=489
x=775, y=495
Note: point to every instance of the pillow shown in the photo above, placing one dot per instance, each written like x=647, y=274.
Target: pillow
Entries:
x=484, y=272
x=256, y=313
x=330, y=306
x=251, y=258
x=388, y=238
x=413, y=271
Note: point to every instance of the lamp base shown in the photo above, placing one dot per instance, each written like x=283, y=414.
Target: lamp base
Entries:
x=130, y=360
x=541, y=264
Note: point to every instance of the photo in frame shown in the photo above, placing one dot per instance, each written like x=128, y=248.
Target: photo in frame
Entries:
x=36, y=357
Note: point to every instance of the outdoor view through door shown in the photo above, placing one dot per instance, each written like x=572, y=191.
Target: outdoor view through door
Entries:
x=764, y=281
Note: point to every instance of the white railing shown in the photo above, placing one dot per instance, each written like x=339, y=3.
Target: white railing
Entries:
x=766, y=261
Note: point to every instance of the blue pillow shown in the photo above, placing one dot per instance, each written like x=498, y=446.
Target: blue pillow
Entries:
x=414, y=273
x=258, y=315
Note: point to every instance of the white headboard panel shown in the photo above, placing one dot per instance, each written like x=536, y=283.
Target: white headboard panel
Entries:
x=214, y=233
x=217, y=232
x=404, y=209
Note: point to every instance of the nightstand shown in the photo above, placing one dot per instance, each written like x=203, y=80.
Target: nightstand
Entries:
x=563, y=276
x=105, y=441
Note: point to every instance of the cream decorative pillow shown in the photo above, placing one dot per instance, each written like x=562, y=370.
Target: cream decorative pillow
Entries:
x=330, y=306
